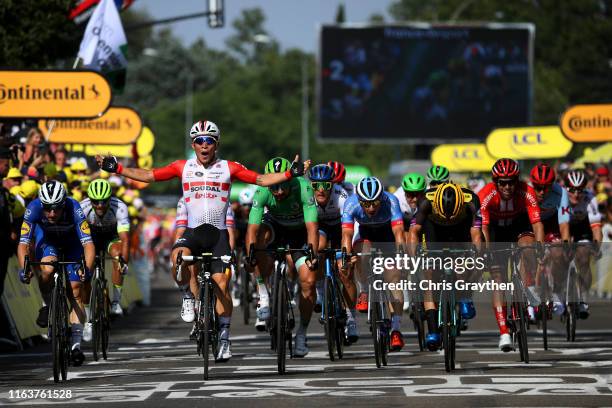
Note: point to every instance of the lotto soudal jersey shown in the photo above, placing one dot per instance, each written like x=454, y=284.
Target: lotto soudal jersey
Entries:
x=293, y=211
x=115, y=219
x=585, y=210
x=181, y=216
x=69, y=229
x=206, y=189
x=497, y=211
x=331, y=213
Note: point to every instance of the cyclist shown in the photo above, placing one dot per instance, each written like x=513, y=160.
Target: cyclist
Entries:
x=330, y=198
x=409, y=197
x=206, y=181
x=449, y=213
x=585, y=226
x=340, y=175
x=510, y=213
x=555, y=215
x=109, y=221
x=380, y=220
x=291, y=219
x=437, y=175
x=57, y=225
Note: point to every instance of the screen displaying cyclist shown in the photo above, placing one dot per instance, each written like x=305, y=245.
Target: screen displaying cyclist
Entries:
x=510, y=213
x=585, y=227
x=109, y=221
x=380, y=221
x=57, y=225
x=449, y=213
x=291, y=219
x=206, y=181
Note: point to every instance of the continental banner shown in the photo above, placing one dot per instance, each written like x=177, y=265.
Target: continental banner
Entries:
x=541, y=142
x=588, y=123
x=463, y=157
x=53, y=94
x=118, y=126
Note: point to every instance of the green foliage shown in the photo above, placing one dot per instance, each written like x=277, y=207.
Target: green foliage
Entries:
x=340, y=14
x=36, y=34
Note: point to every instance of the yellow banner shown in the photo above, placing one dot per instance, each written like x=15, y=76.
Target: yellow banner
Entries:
x=588, y=123
x=53, y=94
x=463, y=157
x=118, y=126
x=144, y=147
x=540, y=142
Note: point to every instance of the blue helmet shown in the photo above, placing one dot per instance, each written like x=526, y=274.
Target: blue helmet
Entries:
x=369, y=189
x=321, y=172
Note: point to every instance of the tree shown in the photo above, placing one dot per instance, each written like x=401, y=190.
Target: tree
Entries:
x=251, y=38
x=340, y=17
x=36, y=34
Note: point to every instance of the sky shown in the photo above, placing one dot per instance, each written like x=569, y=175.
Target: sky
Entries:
x=292, y=22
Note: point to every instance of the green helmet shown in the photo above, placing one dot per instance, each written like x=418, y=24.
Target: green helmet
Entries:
x=413, y=182
x=99, y=189
x=437, y=174
x=277, y=165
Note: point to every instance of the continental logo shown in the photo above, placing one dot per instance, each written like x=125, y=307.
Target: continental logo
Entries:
x=28, y=93
x=99, y=124
x=85, y=228
x=579, y=123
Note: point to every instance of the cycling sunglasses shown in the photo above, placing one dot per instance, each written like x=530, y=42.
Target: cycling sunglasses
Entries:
x=100, y=202
x=279, y=187
x=507, y=182
x=541, y=187
x=321, y=185
x=200, y=140
x=368, y=204
x=575, y=190
x=412, y=194
x=53, y=207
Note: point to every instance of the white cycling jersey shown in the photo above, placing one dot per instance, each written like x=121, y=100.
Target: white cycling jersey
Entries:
x=332, y=212
x=181, y=219
x=404, y=206
x=116, y=218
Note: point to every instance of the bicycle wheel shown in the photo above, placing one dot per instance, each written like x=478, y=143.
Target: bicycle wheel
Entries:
x=446, y=332
x=281, y=326
x=571, y=309
x=96, y=341
x=204, y=302
x=383, y=328
x=65, y=339
x=340, y=318
x=543, y=312
x=245, y=295
x=55, y=328
x=374, y=317
x=105, y=317
x=419, y=325
x=274, y=311
x=329, y=322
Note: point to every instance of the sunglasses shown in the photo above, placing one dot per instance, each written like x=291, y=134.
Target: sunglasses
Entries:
x=575, y=190
x=200, y=140
x=412, y=194
x=100, y=202
x=54, y=207
x=368, y=204
x=540, y=187
x=321, y=185
x=503, y=183
x=279, y=187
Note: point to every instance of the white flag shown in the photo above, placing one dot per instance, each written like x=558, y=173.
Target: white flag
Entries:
x=104, y=44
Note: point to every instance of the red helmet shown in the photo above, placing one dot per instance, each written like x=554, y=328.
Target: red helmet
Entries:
x=542, y=174
x=339, y=171
x=505, y=168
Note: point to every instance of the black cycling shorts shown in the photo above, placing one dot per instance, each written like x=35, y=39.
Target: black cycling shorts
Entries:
x=376, y=233
x=295, y=237
x=581, y=231
x=333, y=234
x=102, y=241
x=519, y=227
x=206, y=238
x=448, y=233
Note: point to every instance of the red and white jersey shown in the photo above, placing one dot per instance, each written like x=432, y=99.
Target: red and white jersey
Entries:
x=206, y=190
x=498, y=211
x=181, y=218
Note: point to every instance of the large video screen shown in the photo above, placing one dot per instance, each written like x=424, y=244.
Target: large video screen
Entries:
x=423, y=84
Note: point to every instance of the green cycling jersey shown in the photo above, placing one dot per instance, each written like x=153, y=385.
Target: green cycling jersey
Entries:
x=295, y=210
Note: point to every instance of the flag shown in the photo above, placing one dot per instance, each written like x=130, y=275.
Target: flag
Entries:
x=84, y=8
x=104, y=45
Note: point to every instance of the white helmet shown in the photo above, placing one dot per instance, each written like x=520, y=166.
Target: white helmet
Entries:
x=205, y=128
x=246, y=196
x=52, y=193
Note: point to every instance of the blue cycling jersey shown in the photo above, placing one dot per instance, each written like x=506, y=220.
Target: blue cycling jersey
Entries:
x=556, y=202
x=389, y=211
x=70, y=228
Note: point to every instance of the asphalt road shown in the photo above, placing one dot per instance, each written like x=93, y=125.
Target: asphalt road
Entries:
x=152, y=363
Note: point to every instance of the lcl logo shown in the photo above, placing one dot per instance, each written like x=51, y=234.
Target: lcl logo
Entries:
x=467, y=154
x=529, y=138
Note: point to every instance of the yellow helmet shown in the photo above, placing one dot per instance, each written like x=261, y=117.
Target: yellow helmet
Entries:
x=13, y=173
x=78, y=165
x=447, y=200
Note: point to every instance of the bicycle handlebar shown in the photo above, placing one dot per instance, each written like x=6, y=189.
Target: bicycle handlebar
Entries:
x=282, y=251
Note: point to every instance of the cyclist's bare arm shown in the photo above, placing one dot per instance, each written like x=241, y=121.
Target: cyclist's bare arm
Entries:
x=90, y=254
x=538, y=230
x=413, y=238
x=398, y=232
x=124, y=236
x=251, y=236
x=22, y=251
x=597, y=233
x=564, y=229
x=476, y=237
